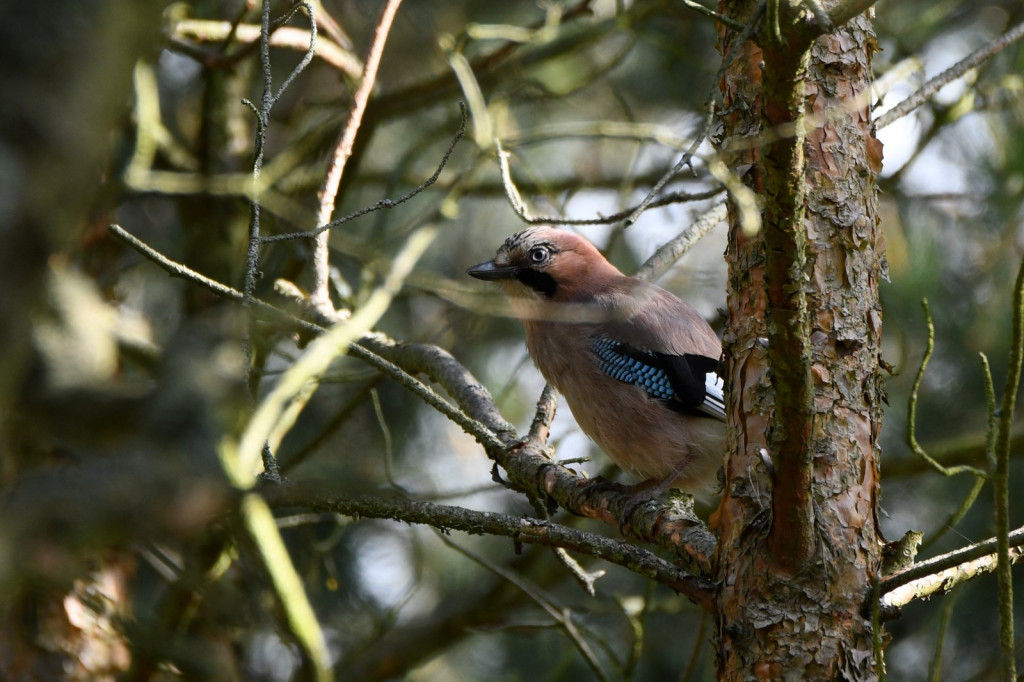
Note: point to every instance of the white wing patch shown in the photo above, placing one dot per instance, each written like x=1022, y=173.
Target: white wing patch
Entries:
x=714, y=396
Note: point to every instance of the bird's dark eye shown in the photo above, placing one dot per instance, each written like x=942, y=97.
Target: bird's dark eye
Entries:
x=539, y=255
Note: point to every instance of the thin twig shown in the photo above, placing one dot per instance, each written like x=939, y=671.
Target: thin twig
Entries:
x=519, y=206
x=256, y=516
x=965, y=506
x=929, y=89
x=992, y=423
x=383, y=203
x=709, y=116
x=320, y=296
x=728, y=21
x=935, y=669
x=562, y=617
x=584, y=578
x=912, y=443
x=389, y=450
x=252, y=259
x=310, y=51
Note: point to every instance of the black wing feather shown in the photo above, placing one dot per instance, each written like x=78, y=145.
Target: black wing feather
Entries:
x=689, y=380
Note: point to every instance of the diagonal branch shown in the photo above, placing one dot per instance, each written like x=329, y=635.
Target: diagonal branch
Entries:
x=929, y=89
x=320, y=296
x=948, y=560
x=942, y=573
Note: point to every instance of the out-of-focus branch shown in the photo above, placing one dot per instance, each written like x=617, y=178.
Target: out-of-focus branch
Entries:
x=207, y=31
x=662, y=259
x=932, y=87
x=964, y=450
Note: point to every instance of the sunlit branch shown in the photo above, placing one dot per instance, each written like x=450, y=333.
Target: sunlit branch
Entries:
x=320, y=296
x=932, y=87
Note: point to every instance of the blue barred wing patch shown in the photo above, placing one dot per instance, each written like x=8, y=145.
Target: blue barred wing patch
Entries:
x=633, y=367
x=690, y=381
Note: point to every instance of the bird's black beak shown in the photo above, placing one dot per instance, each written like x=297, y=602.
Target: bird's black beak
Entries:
x=490, y=271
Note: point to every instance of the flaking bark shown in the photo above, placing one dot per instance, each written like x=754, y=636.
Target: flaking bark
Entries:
x=799, y=543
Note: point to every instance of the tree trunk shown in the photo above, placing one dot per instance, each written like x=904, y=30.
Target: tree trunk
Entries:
x=799, y=540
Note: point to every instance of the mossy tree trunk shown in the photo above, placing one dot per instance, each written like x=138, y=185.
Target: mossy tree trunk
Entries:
x=800, y=545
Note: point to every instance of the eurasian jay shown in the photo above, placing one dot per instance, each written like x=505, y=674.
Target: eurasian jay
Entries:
x=637, y=366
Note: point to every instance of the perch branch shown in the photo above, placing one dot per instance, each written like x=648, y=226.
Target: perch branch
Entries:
x=520, y=529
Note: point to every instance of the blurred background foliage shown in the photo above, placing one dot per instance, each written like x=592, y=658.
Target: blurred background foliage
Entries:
x=593, y=100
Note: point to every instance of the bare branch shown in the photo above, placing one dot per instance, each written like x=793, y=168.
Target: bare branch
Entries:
x=320, y=296
x=949, y=560
x=932, y=87
x=943, y=580
x=381, y=204
x=912, y=405
x=519, y=206
x=660, y=261
x=255, y=515
x=484, y=435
